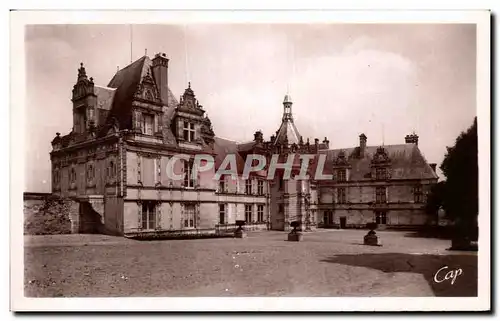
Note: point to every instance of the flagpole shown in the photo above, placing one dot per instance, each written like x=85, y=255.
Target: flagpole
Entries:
x=131, y=41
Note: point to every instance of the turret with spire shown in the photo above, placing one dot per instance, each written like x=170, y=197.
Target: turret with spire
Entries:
x=287, y=133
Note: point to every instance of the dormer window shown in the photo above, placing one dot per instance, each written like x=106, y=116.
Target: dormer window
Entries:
x=418, y=195
x=341, y=175
x=147, y=126
x=381, y=173
x=222, y=184
x=248, y=187
x=260, y=187
x=188, y=131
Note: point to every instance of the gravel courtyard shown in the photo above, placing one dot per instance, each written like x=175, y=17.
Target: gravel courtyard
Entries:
x=325, y=263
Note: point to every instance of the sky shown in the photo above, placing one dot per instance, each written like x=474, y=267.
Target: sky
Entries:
x=383, y=80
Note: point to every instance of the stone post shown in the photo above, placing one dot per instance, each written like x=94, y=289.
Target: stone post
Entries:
x=295, y=235
x=240, y=232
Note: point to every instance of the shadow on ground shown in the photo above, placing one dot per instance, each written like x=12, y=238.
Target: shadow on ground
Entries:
x=425, y=264
x=431, y=234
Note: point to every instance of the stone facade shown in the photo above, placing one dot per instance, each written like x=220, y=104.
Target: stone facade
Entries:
x=114, y=161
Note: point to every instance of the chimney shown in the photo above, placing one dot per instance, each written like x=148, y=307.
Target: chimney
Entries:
x=160, y=73
x=258, y=137
x=326, y=143
x=362, y=145
x=433, y=166
x=411, y=139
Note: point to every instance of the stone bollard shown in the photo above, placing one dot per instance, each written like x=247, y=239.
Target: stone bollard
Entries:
x=295, y=235
x=240, y=232
x=371, y=237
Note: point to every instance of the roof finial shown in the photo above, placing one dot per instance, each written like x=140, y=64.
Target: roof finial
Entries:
x=189, y=84
x=82, y=74
x=383, y=134
x=145, y=51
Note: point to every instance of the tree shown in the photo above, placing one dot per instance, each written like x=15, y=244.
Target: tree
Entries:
x=460, y=196
x=435, y=200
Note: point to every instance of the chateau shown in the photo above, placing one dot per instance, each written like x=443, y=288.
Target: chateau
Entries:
x=113, y=162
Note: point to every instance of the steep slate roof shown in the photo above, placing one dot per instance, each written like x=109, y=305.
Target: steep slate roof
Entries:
x=407, y=162
x=246, y=147
x=288, y=130
x=223, y=147
x=105, y=96
x=126, y=81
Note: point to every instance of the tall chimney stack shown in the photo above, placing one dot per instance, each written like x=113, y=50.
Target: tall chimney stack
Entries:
x=362, y=145
x=160, y=73
x=411, y=139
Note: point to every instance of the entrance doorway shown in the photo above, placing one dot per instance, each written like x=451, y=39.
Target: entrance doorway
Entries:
x=328, y=218
x=343, y=222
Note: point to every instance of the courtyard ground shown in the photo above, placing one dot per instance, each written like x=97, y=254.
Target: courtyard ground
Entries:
x=325, y=263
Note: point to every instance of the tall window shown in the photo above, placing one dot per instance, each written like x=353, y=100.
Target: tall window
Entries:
x=248, y=186
x=281, y=183
x=148, y=121
x=148, y=215
x=188, y=131
x=260, y=187
x=260, y=213
x=380, y=217
x=72, y=175
x=248, y=213
x=281, y=208
x=341, y=199
x=90, y=172
x=81, y=121
x=341, y=175
x=380, y=195
x=56, y=177
x=222, y=184
x=189, y=216
x=381, y=173
x=111, y=169
x=418, y=196
x=188, y=173
x=222, y=213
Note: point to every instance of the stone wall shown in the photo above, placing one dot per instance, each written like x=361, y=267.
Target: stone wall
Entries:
x=46, y=214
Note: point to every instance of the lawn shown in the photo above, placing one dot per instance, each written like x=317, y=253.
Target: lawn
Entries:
x=325, y=263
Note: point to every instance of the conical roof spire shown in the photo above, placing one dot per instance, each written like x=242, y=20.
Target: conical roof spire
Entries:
x=287, y=133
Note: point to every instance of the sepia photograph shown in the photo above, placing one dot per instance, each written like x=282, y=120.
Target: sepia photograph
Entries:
x=189, y=158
